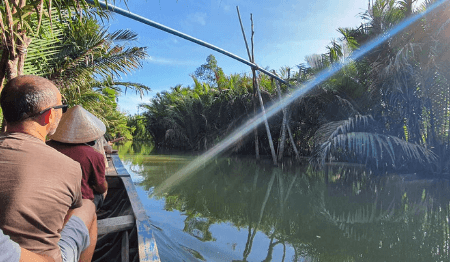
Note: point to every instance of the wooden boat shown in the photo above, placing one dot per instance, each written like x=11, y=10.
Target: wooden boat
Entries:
x=124, y=230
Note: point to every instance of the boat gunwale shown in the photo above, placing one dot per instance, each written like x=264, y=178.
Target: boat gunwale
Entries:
x=148, y=250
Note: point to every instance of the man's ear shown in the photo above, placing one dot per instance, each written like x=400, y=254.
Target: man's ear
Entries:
x=48, y=116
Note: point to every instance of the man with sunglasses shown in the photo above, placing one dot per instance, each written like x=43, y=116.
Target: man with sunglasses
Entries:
x=41, y=207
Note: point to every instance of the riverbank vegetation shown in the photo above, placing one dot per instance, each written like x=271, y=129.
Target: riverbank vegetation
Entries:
x=389, y=109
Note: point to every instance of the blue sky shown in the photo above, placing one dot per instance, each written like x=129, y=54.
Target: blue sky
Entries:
x=285, y=32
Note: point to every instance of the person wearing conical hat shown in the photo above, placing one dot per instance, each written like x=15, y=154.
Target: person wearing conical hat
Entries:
x=76, y=134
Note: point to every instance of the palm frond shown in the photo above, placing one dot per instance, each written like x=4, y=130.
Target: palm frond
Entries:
x=357, y=123
x=376, y=150
x=137, y=87
x=123, y=35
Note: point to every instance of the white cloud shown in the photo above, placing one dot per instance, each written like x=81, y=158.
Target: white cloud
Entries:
x=166, y=61
x=198, y=17
x=226, y=8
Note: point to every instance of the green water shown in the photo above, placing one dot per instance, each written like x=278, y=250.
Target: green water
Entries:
x=235, y=209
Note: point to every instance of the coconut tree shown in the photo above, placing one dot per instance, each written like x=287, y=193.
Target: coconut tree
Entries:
x=20, y=23
x=86, y=54
x=85, y=61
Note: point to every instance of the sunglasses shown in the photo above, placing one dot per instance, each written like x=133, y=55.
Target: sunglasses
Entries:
x=63, y=107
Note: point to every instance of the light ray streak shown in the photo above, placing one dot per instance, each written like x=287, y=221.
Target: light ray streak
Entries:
x=246, y=128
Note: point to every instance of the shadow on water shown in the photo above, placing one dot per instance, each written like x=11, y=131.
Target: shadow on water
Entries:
x=237, y=209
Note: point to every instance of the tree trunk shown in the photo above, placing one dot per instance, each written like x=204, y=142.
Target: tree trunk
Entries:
x=3, y=64
x=11, y=68
x=22, y=48
x=16, y=46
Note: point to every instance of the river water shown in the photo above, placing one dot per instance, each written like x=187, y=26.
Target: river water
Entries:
x=235, y=209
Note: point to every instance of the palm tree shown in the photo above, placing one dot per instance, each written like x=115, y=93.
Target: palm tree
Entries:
x=20, y=23
x=407, y=88
x=85, y=63
x=361, y=139
x=83, y=54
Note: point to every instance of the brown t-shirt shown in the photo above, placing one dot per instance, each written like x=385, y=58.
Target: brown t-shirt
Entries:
x=38, y=185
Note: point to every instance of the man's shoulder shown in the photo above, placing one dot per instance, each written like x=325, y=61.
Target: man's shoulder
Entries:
x=18, y=140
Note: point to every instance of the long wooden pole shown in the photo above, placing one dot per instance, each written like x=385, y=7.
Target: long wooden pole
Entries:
x=256, y=86
x=169, y=30
x=250, y=57
x=261, y=102
x=243, y=34
x=266, y=122
x=285, y=126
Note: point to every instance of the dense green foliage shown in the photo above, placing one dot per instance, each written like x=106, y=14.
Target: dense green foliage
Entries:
x=196, y=118
x=401, y=86
x=405, y=94
x=84, y=60
x=23, y=21
x=138, y=127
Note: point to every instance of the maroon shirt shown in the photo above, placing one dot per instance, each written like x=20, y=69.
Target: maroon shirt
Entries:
x=92, y=165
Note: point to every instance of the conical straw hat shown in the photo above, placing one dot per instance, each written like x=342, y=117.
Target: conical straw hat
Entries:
x=77, y=126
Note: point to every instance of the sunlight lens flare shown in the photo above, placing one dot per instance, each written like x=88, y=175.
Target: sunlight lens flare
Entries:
x=251, y=124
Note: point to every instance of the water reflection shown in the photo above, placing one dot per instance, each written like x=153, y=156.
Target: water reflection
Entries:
x=343, y=214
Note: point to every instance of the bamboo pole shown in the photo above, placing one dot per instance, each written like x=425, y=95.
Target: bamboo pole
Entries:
x=250, y=214
x=258, y=91
x=266, y=122
x=248, y=248
x=243, y=33
x=169, y=30
x=292, y=140
x=285, y=126
x=255, y=131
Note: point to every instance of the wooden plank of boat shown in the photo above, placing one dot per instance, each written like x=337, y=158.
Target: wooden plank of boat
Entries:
x=115, y=224
x=148, y=250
